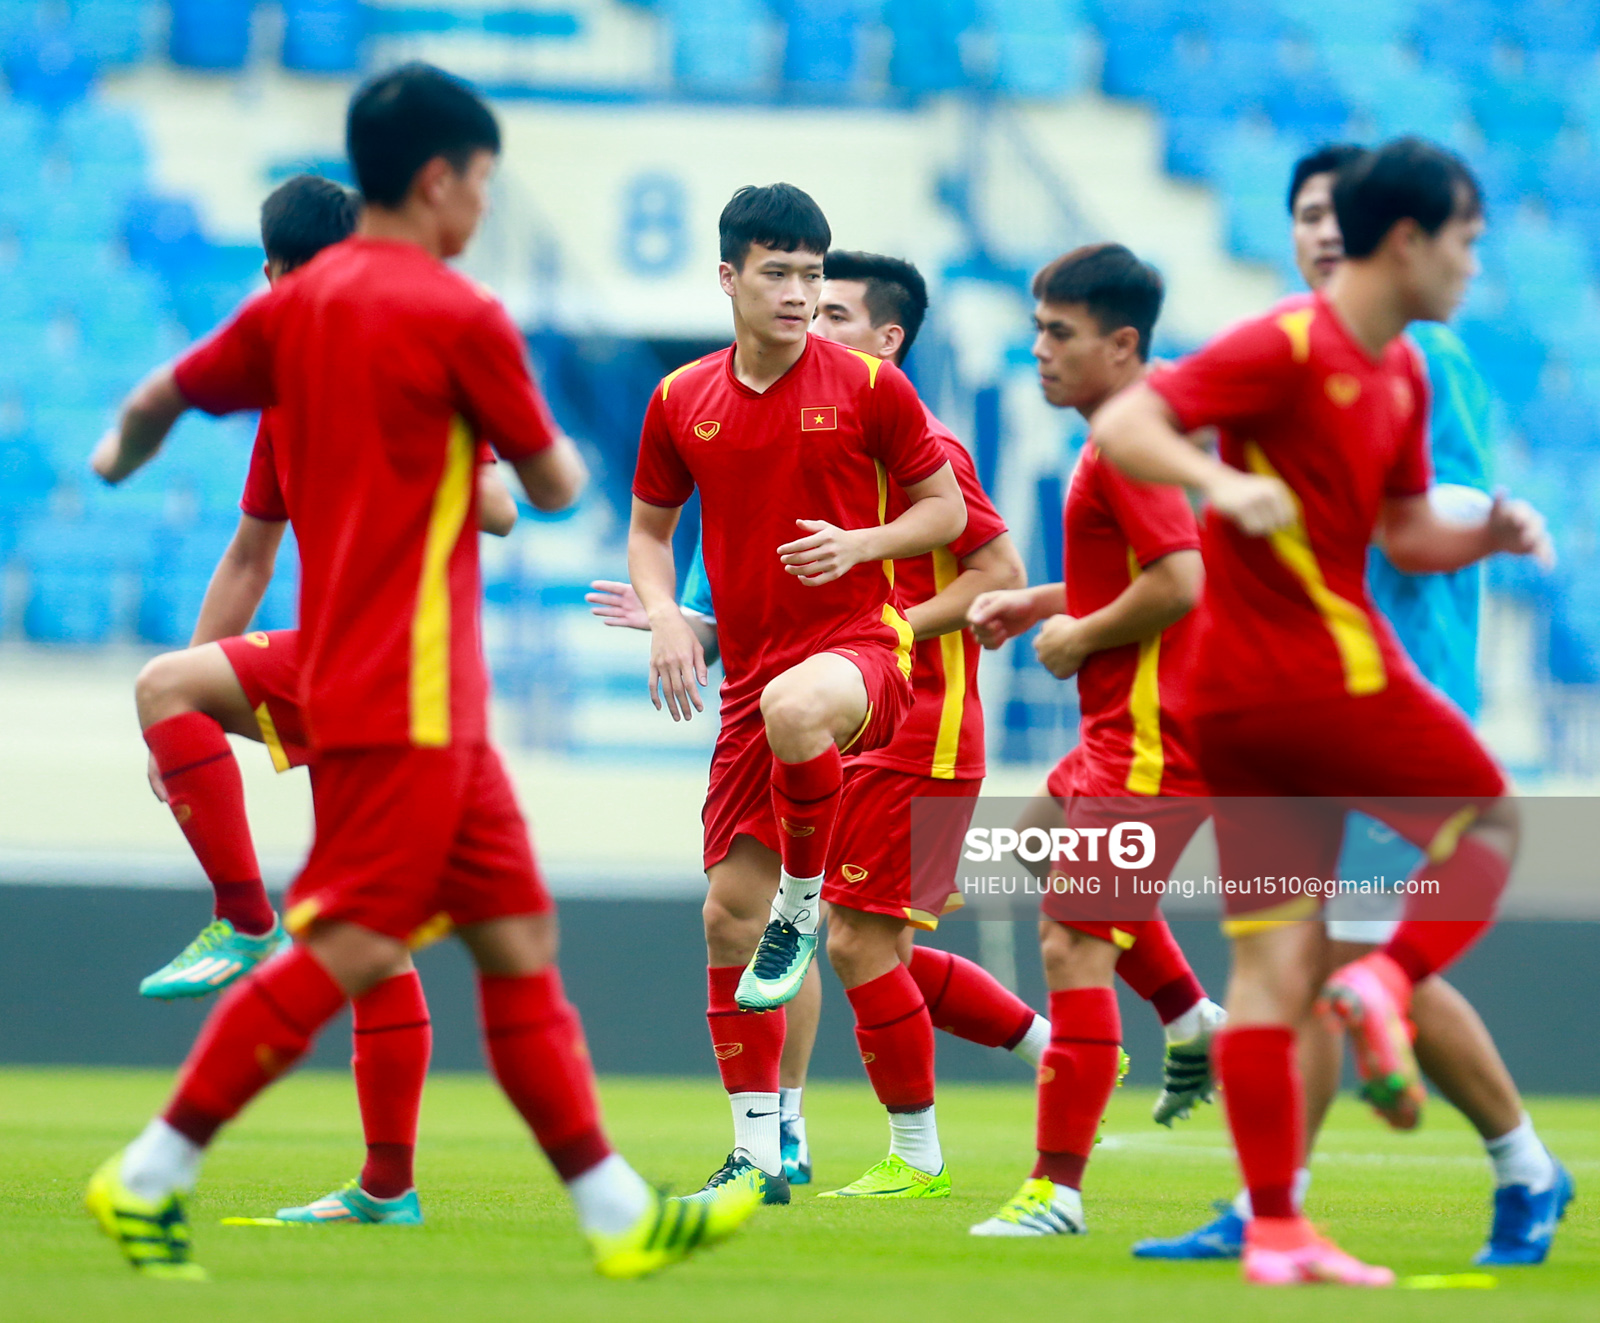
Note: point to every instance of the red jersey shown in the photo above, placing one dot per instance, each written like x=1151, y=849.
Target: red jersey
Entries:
x=827, y=440
x=943, y=735
x=382, y=367
x=1113, y=527
x=1288, y=617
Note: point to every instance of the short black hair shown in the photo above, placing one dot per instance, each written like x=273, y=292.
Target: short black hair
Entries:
x=1115, y=286
x=401, y=120
x=778, y=216
x=1328, y=159
x=896, y=291
x=1409, y=178
x=304, y=215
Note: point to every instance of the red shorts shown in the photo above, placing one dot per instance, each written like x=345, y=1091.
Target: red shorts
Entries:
x=268, y=668
x=877, y=871
x=1405, y=756
x=1174, y=819
x=739, y=798
x=410, y=841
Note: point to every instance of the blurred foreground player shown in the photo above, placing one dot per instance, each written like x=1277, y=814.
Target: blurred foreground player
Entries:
x=1436, y=619
x=1299, y=687
x=384, y=366
x=1119, y=621
x=793, y=443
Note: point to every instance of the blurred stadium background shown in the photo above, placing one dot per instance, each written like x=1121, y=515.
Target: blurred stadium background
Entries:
x=977, y=137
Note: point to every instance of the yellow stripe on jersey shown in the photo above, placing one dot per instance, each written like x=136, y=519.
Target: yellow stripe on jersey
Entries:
x=430, y=622
x=1297, y=326
x=883, y=509
x=953, y=654
x=873, y=364
x=269, y=737
x=1144, y=707
x=672, y=376
x=1348, y=624
x=904, y=638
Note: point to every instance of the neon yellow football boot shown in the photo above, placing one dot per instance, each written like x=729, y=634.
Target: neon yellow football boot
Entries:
x=670, y=1230
x=153, y=1238
x=895, y=1178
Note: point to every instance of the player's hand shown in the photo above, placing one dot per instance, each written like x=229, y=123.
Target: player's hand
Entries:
x=617, y=605
x=826, y=553
x=1259, y=504
x=1517, y=528
x=1059, y=647
x=997, y=617
x=156, y=784
x=677, y=667
x=106, y=458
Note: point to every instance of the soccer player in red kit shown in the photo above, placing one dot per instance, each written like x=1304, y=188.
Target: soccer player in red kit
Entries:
x=1299, y=688
x=1120, y=621
x=384, y=368
x=794, y=444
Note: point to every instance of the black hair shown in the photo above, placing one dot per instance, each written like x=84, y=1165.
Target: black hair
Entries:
x=896, y=291
x=1328, y=159
x=401, y=120
x=304, y=215
x=778, y=216
x=1115, y=286
x=1409, y=178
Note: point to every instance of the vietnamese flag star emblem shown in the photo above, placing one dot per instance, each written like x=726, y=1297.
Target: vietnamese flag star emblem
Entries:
x=824, y=418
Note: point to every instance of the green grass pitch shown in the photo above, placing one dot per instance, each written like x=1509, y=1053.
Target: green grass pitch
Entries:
x=500, y=1242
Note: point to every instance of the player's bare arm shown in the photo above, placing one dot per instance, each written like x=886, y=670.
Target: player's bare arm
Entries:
x=497, y=508
x=1138, y=432
x=553, y=477
x=936, y=517
x=147, y=416
x=1418, y=540
x=994, y=567
x=677, y=661
x=618, y=607
x=240, y=580
x=998, y=617
x=1165, y=591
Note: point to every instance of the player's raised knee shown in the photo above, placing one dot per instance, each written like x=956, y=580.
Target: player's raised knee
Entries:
x=162, y=689
x=793, y=712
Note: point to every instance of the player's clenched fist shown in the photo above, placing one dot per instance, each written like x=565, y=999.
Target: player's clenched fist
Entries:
x=1517, y=528
x=1257, y=503
x=999, y=616
x=825, y=554
x=1060, y=647
x=677, y=666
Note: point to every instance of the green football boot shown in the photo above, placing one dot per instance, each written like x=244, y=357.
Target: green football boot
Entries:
x=895, y=1178
x=153, y=1238
x=672, y=1229
x=220, y=955
x=1039, y=1208
x=777, y=969
x=738, y=1169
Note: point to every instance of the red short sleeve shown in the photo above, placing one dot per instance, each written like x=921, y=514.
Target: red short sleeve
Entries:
x=1244, y=373
x=1155, y=519
x=498, y=395
x=1411, y=474
x=660, y=477
x=263, y=493
x=984, y=523
x=486, y=453
x=231, y=369
x=901, y=437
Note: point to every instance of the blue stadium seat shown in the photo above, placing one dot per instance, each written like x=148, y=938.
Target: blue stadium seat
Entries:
x=71, y=569
x=1459, y=35
x=720, y=47
x=822, y=47
x=1554, y=26
x=27, y=476
x=114, y=32
x=1566, y=420
x=1546, y=267
x=926, y=55
x=48, y=68
x=174, y=578
x=1040, y=46
x=1136, y=62
x=1511, y=356
x=210, y=34
x=1519, y=113
x=323, y=36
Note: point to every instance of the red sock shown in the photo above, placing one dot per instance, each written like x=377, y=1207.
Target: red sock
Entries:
x=748, y=1044
x=206, y=796
x=261, y=1027
x=1260, y=1085
x=805, y=800
x=1156, y=969
x=538, y=1054
x=393, y=1041
x=895, y=1036
x=1076, y=1079
x=966, y=1000
x=1470, y=882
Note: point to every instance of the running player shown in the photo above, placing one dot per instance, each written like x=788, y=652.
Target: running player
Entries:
x=794, y=443
x=1119, y=621
x=1299, y=688
x=1436, y=619
x=188, y=699
x=384, y=366
x=876, y=304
